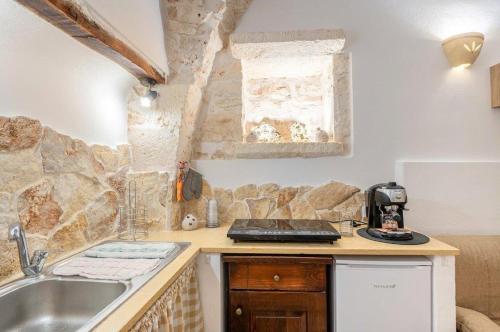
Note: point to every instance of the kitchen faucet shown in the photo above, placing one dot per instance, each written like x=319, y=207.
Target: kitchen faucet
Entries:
x=29, y=267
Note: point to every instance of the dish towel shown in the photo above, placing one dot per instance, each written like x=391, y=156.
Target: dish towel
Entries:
x=106, y=268
x=132, y=250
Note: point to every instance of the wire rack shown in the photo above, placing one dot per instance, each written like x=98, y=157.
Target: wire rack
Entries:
x=132, y=222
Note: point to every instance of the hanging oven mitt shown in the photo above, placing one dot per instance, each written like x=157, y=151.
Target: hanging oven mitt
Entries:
x=180, y=186
x=192, y=185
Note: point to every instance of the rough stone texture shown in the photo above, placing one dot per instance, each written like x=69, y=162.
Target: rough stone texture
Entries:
x=259, y=208
x=342, y=90
x=301, y=209
x=124, y=155
x=328, y=215
x=236, y=210
x=62, y=154
x=246, y=191
x=207, y=189
x=101, y=216
x=195, y=31
x=64, y=192
x=287, y=150
x=198, y=208
x=330, y=195
x=224, y=199
x=20, y=169
x=283, y=101
x=245, y=45
x=220, y=116
x=19, y=133
x=39, y=213
x=5, y=202
x=269, y=190
x=350, y=207
x=118, y=181
x=281, y=213
x=74, y=191
x=154, y=133
x=70, y=236
x=151, y=194
x=339, y=201
x=9, y=263
x=106, y=156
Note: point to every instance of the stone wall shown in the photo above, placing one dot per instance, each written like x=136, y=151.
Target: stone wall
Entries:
x=65, y=193
x=331, y=201
x=219, y=127
x=163, y=134
x=268, y=97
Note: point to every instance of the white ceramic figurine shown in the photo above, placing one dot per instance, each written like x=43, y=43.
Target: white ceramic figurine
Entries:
x=189, y=223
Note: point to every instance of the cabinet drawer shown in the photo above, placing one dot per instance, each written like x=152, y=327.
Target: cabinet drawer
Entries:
x=306, y=274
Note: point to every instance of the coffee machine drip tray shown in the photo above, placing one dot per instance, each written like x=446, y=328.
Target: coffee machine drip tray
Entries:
x=282, y=230
x=416, y=238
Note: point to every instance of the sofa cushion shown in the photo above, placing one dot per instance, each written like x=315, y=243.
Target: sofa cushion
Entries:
x=477, y=273
x=472, y=321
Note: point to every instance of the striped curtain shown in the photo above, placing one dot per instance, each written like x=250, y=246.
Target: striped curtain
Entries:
x=177, y=310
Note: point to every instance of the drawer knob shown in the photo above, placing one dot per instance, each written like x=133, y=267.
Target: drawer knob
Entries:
x=238, y=311
x=276, y=278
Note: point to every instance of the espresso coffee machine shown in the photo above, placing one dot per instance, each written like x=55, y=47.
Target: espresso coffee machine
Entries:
x=385, y=206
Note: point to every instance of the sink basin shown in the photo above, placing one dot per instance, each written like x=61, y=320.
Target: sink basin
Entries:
x=67, y=304
x=56, y=304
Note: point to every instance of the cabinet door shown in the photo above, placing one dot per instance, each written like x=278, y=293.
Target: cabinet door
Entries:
x=254, y=311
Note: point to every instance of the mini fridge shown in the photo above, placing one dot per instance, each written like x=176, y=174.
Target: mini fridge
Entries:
x=382, y=294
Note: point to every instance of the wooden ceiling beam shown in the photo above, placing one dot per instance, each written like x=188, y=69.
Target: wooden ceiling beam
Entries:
x=74, y=21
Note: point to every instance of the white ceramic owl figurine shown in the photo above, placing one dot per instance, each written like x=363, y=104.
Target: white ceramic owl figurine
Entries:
x=189, y=223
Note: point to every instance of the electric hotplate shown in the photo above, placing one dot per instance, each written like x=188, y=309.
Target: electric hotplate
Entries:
x=282, y=230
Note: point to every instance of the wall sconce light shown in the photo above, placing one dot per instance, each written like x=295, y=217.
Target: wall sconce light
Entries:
x=149, y=96
x=462, y=50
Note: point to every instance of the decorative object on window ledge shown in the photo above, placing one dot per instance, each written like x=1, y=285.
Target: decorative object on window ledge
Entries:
x=495, y=85
x=462, y=50
x=299, y=133
x=321, y=136
x=251, y=137
x=265, y=133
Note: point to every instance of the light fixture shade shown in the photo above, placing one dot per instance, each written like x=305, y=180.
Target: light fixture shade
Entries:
x=462, y=50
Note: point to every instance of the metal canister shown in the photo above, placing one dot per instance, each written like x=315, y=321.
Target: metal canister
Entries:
x=212, y=217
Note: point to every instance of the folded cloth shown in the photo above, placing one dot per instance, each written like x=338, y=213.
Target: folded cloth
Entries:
x=106, y=268
x=132, y=250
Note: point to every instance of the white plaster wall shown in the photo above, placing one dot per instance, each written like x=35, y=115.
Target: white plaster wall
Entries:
x=452, y=197
x=408, y=103
x=139, y=21
x=46, y=75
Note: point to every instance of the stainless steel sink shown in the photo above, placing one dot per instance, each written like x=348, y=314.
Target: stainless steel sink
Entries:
x=56, y=304
x=62, y=304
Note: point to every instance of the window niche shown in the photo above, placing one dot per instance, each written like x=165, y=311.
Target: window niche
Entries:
x=294, y=96
x=290, y=84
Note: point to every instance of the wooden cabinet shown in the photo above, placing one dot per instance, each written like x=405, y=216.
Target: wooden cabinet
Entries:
x=277, y=293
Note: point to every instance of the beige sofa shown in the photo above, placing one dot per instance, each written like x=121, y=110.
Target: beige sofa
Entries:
x=478, y=282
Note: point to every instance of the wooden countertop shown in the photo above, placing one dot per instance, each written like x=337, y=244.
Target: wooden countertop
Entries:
x=214, y=240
